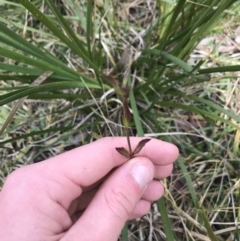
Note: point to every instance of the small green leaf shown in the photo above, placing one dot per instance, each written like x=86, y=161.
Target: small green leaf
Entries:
x=140, y=145
x=123, y=151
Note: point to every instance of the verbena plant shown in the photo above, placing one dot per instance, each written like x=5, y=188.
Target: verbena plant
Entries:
x=86, y=54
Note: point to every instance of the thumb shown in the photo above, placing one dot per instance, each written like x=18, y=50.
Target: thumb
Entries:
x=114, y=202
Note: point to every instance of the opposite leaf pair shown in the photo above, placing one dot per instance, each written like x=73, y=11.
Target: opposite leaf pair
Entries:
x=138, y=148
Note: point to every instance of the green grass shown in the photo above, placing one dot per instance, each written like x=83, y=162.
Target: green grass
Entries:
x=179, y=93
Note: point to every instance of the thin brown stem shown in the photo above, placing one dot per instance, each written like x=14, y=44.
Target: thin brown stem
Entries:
x=128, y=141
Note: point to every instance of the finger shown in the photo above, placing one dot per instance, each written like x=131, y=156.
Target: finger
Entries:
x=91, y=162
x=153, y=192
x=114, y=202
x=163, y=171
x=140, y=210
x=86, y=165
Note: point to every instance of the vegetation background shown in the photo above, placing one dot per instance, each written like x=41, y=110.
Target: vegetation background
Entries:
x=180, y=60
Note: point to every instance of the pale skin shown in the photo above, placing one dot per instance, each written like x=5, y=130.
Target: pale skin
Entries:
x=84, y=194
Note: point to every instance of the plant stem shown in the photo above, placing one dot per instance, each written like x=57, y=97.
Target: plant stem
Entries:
x=128, y=141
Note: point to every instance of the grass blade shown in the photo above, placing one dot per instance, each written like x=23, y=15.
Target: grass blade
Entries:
x=161, y=204
x=89, y=27
x=38, y=81
x=55, y=30
x=165, y=219
x=195, y=199
x=74, y=39
x=5, y=99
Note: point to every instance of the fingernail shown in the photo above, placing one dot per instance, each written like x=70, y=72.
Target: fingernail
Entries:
x=142, y=174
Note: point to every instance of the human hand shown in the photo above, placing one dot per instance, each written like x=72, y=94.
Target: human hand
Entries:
x=84, y=194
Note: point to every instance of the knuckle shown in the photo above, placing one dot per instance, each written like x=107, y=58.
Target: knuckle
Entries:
x=118, y=201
